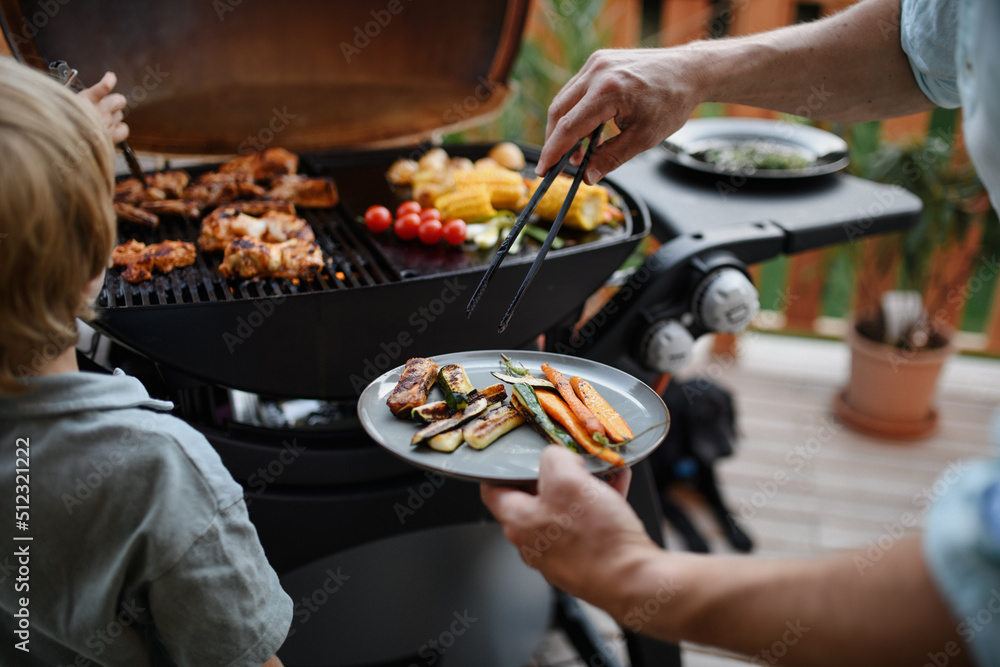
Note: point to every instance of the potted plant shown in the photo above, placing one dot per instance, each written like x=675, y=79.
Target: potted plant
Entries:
x=901, y=340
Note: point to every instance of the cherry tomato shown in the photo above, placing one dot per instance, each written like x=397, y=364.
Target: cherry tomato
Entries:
x=378, y=218
x=407, y=207
x=407, y=226
x=454, y=231
x=430, y=231
x=430, y=214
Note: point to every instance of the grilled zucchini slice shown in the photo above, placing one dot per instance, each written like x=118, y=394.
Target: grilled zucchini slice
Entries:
x=432, y=412
x=454, y=381
x=447, y=441
x=426, y=433
x=482, y=431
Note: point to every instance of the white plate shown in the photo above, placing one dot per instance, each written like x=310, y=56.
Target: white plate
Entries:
x=514, y=456
x=825, y=151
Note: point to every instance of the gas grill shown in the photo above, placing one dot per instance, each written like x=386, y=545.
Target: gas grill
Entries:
x=388, y=564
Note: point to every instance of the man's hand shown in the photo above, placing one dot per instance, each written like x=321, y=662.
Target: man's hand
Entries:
x=110, y=106
x=822, y=70
x=648, y=92
x=578, y=531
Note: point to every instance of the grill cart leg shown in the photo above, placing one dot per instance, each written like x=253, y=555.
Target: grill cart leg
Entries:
x=581, y=632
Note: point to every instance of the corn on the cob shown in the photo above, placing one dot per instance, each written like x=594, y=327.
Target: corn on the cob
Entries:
x=470, y=204
x=506, y=187
x=587, y=210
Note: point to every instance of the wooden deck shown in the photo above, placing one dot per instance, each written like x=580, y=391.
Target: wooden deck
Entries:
x=840, y=489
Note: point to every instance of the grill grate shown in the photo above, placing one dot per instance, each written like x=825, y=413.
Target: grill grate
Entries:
x=351, y=263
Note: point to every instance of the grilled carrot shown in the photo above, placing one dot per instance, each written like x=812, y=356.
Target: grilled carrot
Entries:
x=582, y=412
x=614, y=424
x=559, y=411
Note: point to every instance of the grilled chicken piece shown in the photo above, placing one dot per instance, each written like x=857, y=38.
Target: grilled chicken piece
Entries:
x=211, y=194
x=248, y=257
x=260, y=207
x=159, y=186
x=186, y=208
x=414, y=384
x=224, y=225
x=166, y=184
x=305, y=192
x=213, y=188
x=265, y=165
x=131, y=213
x=130, y=190
x=140, y=259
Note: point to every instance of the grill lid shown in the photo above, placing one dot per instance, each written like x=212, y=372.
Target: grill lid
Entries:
x=230, y=76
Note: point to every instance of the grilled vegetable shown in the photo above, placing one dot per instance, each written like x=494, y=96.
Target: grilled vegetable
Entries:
x=587, y=210
x=447, y=441
x=432, y=412
x=470, y=204
x=414, y=384
x=558, y=410
x=582, y=412
x=527, y=379
x=513, y=367
x=540, y=234
x=614, y=424
x=438, y=410
x=495, y=393
x=524, y=399
x=508, y=155
x=482, y=431
x=428, y=432
x=505, y=187
x=456, y=386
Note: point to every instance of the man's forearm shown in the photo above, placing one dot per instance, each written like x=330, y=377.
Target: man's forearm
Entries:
x=817, y=611
x=848, y=67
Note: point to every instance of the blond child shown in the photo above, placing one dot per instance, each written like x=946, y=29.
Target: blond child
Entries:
x=124, y=539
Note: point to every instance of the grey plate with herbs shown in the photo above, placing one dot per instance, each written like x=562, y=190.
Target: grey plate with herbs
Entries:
x=740, y=146
x=514, y=456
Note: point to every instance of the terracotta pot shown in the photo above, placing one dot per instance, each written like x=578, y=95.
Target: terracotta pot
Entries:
x=890, y=393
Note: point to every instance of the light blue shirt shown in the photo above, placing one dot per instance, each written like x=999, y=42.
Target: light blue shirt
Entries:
x=141, y=550
x=954, y=50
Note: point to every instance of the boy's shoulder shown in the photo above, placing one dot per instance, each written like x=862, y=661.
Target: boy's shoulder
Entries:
x=97, y=435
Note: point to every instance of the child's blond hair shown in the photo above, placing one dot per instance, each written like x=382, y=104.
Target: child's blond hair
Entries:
x=57, y=223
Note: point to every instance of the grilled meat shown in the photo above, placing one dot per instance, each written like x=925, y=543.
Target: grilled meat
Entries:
x=228, y=223
x=132, y=213
x=166, y=184
x=186, y=208
x=130, y=190
x=264, y=165
x=140, y=259
x=260, y=207
x=248, y=257
x=414, y=384
x=214, y=188
x=305, y=192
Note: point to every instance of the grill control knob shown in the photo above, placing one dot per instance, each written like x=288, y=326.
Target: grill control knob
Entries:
x=726, y=301
x=666, y=347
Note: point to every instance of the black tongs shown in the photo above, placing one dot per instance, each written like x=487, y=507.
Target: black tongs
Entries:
x=504, y=248
x=69, y=77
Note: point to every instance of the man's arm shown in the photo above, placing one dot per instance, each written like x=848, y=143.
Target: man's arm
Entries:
x=817, y=611
x=848, y=67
